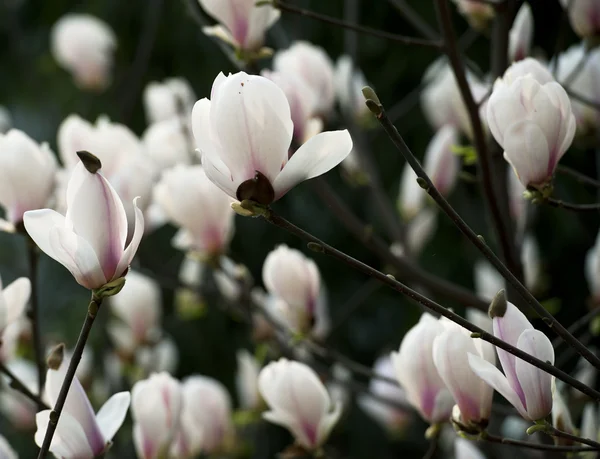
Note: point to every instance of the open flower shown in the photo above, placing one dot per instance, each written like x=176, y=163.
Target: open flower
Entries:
x=521, y=34
x=13, y=299
x=84, y=45
x=90, y=240
x=298, y=400
x=348, y=87
x=80, y=433
x=526, y=387
x=244, y=134
x=243, y=23
x=172, y=98
x=534, y=124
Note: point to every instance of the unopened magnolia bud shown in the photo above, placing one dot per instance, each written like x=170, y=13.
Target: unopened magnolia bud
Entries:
x=498, y=306
x=55, y=357
x=91, y=162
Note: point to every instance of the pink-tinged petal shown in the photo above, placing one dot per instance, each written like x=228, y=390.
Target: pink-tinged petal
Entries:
x=305, y=435
x=202, y=130
x=218, y=173
x=219, y=32
x=491, y=375
x=536, y=383
x=261, y=19
x=96, y=214
x=69, y=441
x=328, y=422
x=318, y=155
x=38, y=224
x=78, y=256
x=74, y=134
x=131, y=249
x=253, y=125
x=77, y=404
x=233, y=14
x=112, y=414
x=16, y=295
x=527, y=150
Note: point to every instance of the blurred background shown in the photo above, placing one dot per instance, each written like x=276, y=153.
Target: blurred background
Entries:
x=158, y=39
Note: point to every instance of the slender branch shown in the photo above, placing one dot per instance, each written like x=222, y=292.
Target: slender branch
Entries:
x=19, y=386
x=577, y=325
x=582, y=178
x=572, y=207
x=92, y=312
x=357, y=28
x=501, y=223
x=414, y=19
x=38, y=352
x=554, y=432
x=388, y=280
x=529, y=445
x=478, y=241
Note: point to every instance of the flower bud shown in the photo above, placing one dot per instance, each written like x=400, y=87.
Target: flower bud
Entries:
x=477, y=13
x=173, y=98
x=521, y=34
x=298, y=401
x=246, y=380
x=349, y=83
x=84, y=45
x=583, y=16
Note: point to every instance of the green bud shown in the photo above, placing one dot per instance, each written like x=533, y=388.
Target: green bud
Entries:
x=110, y=289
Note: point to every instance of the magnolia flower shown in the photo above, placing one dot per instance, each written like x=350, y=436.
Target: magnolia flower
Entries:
x=158, y=358
x=80, y=433
x=314, y=67
x=206, y=229
x=421, y=229
x=206, y=409
x=526, y=387
x=18, y=409
x=464, y=449
x=517, y=203
x=298, y=401
x=138, y=307
x=6, y=451
x=13, y=299
x=246, y=380
x=303, y=104
x=561, y=416
x=156, y=405
x=15, y=334
x=411, y=199
x=530, y=259
x=337, y=386
x=477, y=13
x=534, y=124
x=26, y=176
x=527, y=66
x=84, y=45
x=244, y=134
x=440, y=163
x=521, y=34
x=349, y=83
x=90, y=240
x=391, y=417
x=417, y=374
x=173, y=98
x=583, y=15
x=451, y=350
x=243, y=24
x=292, y=277
x=167, y=143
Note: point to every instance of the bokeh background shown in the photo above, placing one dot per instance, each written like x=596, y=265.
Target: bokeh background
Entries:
x=161, y=38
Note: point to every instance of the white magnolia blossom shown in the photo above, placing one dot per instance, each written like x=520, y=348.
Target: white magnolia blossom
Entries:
x=241, y=22
x=391, y=417
x=527, y=66
x=84, y=45
x=156, y=405
x=244, y=133
x=583, y=15
x=312, y=64
x=206, y=410
x=294, y=278
x=90, y=240
x=526, y=387
x=561, y=415
x=477, y=13
x=303, y=104
x=517, y=203
x=158, y=358
x=421, y=229
x=534, y=124
x=246, y=380
x=451, y=351
x=168, y=143
x=13, y=299
x=417, y=374
x=206, y=229
x=440, y=162
x=465, y=449
x=6, y=451
x=17, y=332
x=80, y=433
x=173, y=98
x=337, y=386
x=138, y=306
x=19, y=409
x=26, y=176
x=349, y=82
x=411, y=198
x=532, y=265
x=298, y=401
x=521, y=34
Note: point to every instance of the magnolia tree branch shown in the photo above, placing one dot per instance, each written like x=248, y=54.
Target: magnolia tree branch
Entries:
x=581, y=178
x=501, y=223
x=425, y=182
x=595, y=207
x=536, y=446
x=319, y=246
x=92, y=312
x=554, y=432
x=33, y=313
x=19, y=386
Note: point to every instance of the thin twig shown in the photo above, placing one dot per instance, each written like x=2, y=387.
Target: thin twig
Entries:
x=414, y=19
x=572, y=207
x=33, y=313
x=476, y=240
x=91, y=314
x=554, y=432
x=529, y=445
x=577, y=325
x=320, y=246
x=357, y=28
x=581, y=178
x=18, y=385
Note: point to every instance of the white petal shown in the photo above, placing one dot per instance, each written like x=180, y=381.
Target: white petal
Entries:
x=38, y=224
x=491, y=375
x=69, y=441
x=218, y=173
x=527, y=150
x=131, y=249
x=16, y=295
x=536, y=383
x=112, y=414
x=319, y=155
